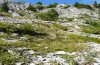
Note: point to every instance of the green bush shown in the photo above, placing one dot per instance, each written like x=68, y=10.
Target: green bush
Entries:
x=78, y=5
x=93, y=23
x=96, y=5
x=39, y=3
x=8, y=28
x=7, y=59
x=39, y=7
x=70, y=19
x=31, y=8
x=26, y=29
x=5, y=14
x=52, y=5
x=90, y=29
x=5, y=7
x=51, y=15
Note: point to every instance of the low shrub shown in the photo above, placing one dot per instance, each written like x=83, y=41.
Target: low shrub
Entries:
x=5, y=14
x=39, y=3
x=93, y=23
x=4, y=7
x=51, y=15
x=31, y=8
x=26, y=29
x=8, y=28
x=91, y=29
x=40, y=7
x=52, y=5
x=96, y=5
x=78, y=5
x=70, y=19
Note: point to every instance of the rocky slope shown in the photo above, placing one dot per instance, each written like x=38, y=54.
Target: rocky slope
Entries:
x=73, y=39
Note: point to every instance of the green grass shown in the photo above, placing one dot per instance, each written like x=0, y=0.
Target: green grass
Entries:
x=93, y=27
x=62, y=40
x=9, y=59
x=69, y=45
x=93, y=23
x=69, y=59
x=5, y=14
x=81, y=39
x=90, y=29
x=44, y=44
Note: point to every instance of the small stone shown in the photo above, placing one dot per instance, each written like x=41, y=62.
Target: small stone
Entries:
x=60, y=52
x=30, y=52
x=14, y=34
x=97, y=60
x=15, y=14
x=96, y=63
x=18, y=63
x=31, y=64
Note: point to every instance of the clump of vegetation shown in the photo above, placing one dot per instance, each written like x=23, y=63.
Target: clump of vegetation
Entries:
x=70, y=19
x=51, y=15
x=93, y=23
x=29, y=30
x=8, y=28
x=40, y=7
x=5, y=14
x=81, y=39
x=4, y=7
x=39, y=3
x=69, y=59
x=78, y=5
x=22, y=29
x=35, y=8
x=90, y=29
x=52, y=5
x=96, y=4
x=93, y=27
x=21, y=13
x=7, y=59
x=31, y=8
x=54, y=44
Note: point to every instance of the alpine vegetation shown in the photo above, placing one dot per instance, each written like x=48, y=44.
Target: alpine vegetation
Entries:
x=54, y=34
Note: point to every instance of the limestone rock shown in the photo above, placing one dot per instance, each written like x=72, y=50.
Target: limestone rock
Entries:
x=18, y=63
x=96, y=63
x=60, y=52
x=15, y=14
x=80, y=60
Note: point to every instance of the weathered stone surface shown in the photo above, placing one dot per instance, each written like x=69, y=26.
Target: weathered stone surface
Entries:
x=96, y=63
x=80, y=60
x=30, y=52
x=14, y=6
x=31, y=64
x=75, y=12
x=18, y=63
x=3, y=1
x=15, y=14
x=60, y=52
x=10, y=41
x=13, y=20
